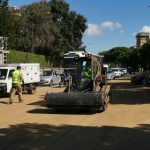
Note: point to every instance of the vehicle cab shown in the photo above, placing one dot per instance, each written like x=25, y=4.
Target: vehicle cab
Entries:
x=5, y=79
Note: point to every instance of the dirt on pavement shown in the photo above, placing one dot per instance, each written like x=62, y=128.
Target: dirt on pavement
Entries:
x=125, y=125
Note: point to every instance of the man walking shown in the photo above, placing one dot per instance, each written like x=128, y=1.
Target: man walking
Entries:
x=17, y=80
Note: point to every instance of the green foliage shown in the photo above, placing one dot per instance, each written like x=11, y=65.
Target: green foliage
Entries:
x=38, y=26
x=25, y=57
x=44, y=28
x=69, y=29
x=116, y=55
x=144, y=54
x=129, y=57
x=5, y=18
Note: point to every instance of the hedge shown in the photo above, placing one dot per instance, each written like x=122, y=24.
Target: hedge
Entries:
x=26, y=57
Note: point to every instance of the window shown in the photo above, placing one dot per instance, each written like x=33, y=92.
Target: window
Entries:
x=3, y=74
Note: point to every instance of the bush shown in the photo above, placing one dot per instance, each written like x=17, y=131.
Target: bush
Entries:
x=26, y=57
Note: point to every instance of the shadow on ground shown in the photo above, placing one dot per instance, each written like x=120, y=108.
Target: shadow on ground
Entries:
x=71, y=137
x=127, y=93
x=67, y=112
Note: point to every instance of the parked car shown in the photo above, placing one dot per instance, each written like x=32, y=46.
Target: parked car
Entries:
x=118, y=72
x=124, y=70
x=110, y=75
x=49, y=77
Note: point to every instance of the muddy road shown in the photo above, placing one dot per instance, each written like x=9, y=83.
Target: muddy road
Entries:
x=125, y=125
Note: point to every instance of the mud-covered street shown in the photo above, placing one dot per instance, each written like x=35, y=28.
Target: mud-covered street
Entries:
x=125, y=125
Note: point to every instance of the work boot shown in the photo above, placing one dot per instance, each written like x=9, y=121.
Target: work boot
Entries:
x=10, y=101
x=20, y=101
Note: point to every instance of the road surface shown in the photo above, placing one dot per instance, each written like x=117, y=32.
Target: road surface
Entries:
x=125, y=125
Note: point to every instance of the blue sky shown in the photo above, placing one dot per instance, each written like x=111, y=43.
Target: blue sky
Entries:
x=111, y=23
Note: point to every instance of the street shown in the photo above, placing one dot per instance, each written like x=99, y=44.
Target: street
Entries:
x=125, y=125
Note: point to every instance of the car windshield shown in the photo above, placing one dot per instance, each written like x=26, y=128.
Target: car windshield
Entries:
x=47, y=73
x=3, y=74
x=115, y=69
x=122, y=69
x=110, y=71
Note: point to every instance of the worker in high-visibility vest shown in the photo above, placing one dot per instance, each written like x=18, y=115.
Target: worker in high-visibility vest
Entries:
x=17, y=80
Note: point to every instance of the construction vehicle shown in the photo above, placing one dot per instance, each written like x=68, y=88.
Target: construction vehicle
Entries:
x=69, y=65
x=31, y=76
x=82, y=94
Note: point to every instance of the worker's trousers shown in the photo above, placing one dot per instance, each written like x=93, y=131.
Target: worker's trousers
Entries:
x=14, y=89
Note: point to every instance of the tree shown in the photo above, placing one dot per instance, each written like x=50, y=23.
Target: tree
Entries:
x=38, y=26
x=69, y=29
x=126, y=57
x=4, y=18
x=116, y=56
x=144, y=54
x=11, y=25
x=47, y=28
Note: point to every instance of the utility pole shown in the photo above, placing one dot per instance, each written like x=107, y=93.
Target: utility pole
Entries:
x=3, y=50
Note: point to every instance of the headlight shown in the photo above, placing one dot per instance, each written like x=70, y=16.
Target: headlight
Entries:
x=47, y=80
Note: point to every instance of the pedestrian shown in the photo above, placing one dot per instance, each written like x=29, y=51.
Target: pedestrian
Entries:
x=101, y=81
x=17, y=80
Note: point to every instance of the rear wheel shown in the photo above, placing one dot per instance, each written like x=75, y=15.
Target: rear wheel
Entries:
x=32, y=89
x=51, y=83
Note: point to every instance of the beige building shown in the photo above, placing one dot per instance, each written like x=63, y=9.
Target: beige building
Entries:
x=142, y=38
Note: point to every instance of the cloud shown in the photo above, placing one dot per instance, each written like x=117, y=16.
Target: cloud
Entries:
x=94, y=29
x=145, y=29
x=110, y=25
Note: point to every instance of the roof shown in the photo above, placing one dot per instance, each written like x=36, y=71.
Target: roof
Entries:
x=143, y=34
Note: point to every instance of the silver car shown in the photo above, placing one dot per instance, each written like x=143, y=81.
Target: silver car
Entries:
x=110, y=75
x=117, y=72
x=49, y=77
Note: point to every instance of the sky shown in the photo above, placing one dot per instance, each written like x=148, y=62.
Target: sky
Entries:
x=111, y=23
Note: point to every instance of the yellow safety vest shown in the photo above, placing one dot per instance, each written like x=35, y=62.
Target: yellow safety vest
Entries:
x=16, y=77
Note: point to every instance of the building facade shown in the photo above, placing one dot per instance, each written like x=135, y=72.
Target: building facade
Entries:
x=142, y=38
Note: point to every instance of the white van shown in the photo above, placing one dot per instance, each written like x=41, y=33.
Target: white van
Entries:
x=30, y=72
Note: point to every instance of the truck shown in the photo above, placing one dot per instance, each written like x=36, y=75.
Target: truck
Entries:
x=31, y=76
x=82, y=94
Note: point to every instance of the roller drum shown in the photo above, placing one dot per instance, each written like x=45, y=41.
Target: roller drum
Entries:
x=73, y=100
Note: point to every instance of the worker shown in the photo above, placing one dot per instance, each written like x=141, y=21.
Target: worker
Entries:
x=86, y=74
x=86, y=77
x=17, y=80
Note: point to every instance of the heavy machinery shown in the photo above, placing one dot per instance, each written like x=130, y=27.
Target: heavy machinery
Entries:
x=82, y=93
x=69, y=64
x=69, y=61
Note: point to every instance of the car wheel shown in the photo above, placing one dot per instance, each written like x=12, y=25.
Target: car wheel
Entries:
x=51, y=83
x=32, y=89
